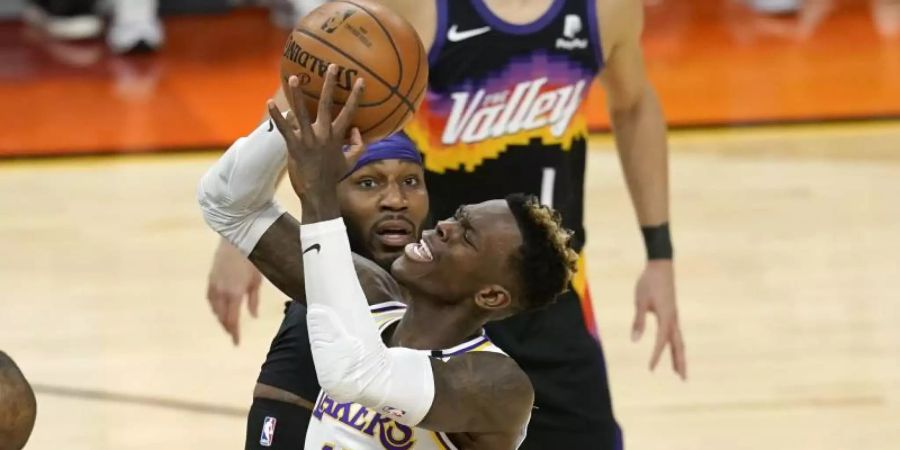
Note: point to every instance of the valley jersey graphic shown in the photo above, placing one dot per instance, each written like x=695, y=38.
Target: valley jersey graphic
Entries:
x=505, y=107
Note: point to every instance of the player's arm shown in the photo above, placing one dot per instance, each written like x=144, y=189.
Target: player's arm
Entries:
x=232, y=277
x=640, y=134
x=483, y=393
x=236, y=196
x=637, y=118
x=276, y=256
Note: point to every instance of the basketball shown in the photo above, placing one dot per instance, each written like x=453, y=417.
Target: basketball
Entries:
x=364, y=39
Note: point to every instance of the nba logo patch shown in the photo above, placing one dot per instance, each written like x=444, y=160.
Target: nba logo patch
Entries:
x=268, y=432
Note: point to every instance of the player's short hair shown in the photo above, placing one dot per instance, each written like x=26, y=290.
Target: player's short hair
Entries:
x=545, y=261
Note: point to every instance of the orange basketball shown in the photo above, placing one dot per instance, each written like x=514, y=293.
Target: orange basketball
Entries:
x=368, y=40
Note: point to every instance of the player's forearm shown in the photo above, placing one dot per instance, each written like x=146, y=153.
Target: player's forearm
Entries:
x=319, y=205
x=352, y=363
x=276, y=257
x=640, y=132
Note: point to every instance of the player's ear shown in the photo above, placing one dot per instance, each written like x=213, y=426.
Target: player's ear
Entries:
x=493, y=298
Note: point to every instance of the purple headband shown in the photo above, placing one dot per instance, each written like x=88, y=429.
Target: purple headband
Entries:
x=396, y=146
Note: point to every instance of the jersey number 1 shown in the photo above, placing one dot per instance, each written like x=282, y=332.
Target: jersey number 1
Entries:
x=548, y=179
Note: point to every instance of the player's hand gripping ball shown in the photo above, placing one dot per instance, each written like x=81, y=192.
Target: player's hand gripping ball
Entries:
x=364, y=39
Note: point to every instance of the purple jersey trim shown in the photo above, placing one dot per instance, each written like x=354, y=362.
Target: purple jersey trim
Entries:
x=596, y=39
x=389, y=307
x=440, y=32
x=511, y=28
x=475, y=344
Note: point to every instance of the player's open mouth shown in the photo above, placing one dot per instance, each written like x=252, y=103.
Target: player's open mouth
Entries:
x=419, y=252
x=394, y=233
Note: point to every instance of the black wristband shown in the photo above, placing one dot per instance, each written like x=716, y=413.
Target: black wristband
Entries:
x=658, y=241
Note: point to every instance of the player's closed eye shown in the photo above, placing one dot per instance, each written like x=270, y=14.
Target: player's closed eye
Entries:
x=460, y=217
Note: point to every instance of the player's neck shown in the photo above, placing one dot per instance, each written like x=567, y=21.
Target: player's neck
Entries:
x=435, y=326
x=519, y=12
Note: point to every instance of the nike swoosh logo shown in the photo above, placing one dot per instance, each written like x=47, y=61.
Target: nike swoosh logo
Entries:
x=454, y=35
x=315, y=247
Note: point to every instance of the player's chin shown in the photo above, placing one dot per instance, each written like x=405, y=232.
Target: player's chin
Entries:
x=385, y=253
x=407, y=271
x=385, y=256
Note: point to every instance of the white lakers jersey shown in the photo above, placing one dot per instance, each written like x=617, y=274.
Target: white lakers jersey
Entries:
x=351, y=426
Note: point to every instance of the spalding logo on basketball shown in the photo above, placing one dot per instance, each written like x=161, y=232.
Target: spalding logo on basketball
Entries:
x=364, y=39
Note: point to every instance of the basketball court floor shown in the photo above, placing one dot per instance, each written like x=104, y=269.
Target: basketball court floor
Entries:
x=787, y=254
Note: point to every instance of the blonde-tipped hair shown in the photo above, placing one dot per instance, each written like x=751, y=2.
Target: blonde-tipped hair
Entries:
x=546, y=260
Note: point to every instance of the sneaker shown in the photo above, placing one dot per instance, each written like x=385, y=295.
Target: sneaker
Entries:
x=776, y=7
x=136, y=36
x=135, y=26
x=64, y=20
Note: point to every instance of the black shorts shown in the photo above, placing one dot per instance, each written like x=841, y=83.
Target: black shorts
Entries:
x=274, y=425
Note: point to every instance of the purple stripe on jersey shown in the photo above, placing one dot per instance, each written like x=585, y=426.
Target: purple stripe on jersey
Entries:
x=384, y=308
x=511, y=28
x=475, y=344
x=440, y=32
x=596, y=39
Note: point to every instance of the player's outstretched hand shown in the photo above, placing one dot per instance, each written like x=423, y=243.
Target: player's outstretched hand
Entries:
x=316, y=158
x=231, y=279
x=655, y=293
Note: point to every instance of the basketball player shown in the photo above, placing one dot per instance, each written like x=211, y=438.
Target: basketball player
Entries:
x=382, y=198
x=490, y=261
x=18, y=407
x=384, y=201
x=505, y=113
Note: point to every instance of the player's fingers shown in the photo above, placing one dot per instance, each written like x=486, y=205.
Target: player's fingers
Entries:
x=356, y=149
x=280, y=122
x=211, y=294
x=214, y=297
x=326, y=101
x=232, y=317
x=679, y=360
x=291, y=121
x=221, y=311
x=662, y=338
x=349, y=110
x=253, y=301
x=299, y=107
x=640, y=318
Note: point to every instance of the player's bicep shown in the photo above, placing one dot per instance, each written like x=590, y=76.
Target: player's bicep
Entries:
x=624, y=76
x=479, y=393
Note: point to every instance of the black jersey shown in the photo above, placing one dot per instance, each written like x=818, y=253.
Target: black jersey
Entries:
x=505, y=112
x=505, y=107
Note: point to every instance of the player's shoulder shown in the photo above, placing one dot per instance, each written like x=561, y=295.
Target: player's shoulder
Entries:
x=499, y=382
x=619, y=20
x=412, y=10
x=618, y=6
x=500, y=368
x=422, y=15
x=378, y=285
